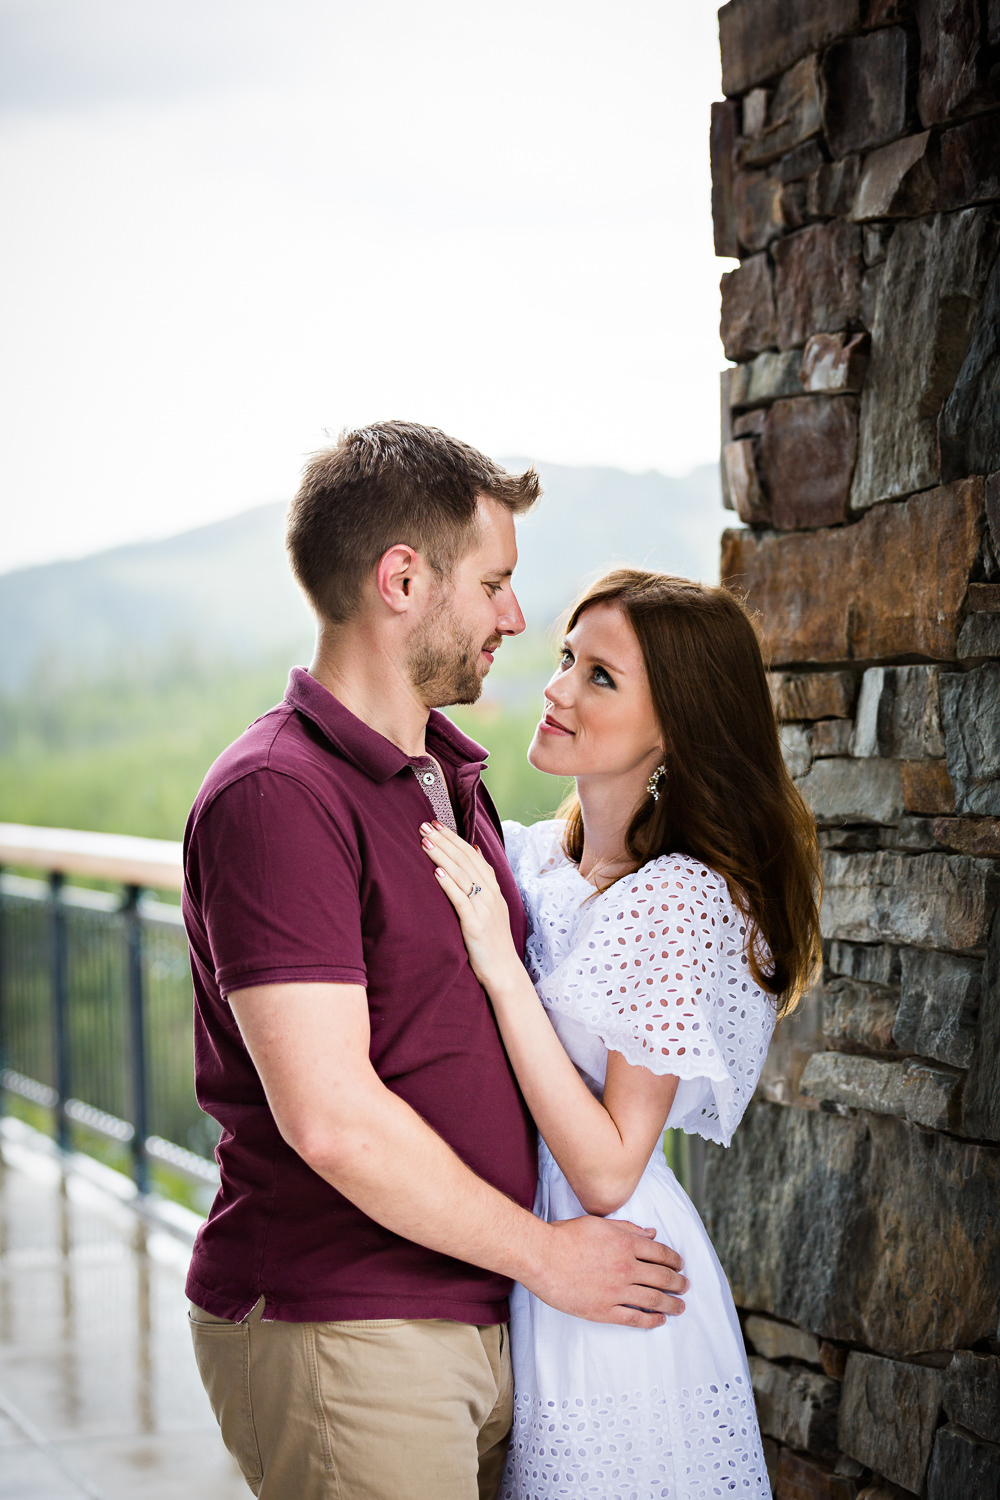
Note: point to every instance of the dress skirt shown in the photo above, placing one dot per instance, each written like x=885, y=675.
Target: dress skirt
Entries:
x=603, y=1412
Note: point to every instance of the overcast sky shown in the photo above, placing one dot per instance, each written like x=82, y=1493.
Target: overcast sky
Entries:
x=235, y=226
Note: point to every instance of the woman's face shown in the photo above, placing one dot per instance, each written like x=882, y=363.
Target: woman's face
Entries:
x=599, y=719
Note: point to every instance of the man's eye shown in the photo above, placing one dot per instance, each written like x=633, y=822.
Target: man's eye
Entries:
x=494, y=588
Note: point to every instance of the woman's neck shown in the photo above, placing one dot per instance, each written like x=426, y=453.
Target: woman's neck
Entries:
x=607, y=807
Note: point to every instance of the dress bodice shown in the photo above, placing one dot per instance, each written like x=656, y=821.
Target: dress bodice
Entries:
x=655, y=968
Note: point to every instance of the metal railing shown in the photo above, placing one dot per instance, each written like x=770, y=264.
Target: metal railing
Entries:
x=95, y=1000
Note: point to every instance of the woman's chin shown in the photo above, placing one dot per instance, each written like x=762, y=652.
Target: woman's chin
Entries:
x=543, y=758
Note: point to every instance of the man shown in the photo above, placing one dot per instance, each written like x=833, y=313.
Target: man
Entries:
x=349, y=1288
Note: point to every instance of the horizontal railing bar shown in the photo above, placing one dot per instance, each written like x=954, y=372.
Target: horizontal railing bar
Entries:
x=183, y=1161
x=29, y=889
x=105, y=856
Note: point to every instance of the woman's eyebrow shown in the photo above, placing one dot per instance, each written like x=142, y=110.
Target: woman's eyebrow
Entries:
x=597, y=661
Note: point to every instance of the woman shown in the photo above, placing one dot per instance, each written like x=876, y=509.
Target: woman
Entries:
x=672, y=919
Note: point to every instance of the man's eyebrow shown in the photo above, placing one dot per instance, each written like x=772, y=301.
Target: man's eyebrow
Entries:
x=499, y=573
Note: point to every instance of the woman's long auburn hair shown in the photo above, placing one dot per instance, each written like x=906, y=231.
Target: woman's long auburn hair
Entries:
x=727, y=798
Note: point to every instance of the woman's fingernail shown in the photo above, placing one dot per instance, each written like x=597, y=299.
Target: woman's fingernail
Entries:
x=425, y=828
x=436, y=824
x=427, y=843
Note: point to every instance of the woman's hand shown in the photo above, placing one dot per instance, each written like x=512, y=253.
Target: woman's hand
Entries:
x=468, y=881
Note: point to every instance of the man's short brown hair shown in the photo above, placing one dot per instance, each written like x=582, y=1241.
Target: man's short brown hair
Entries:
x=390, y=483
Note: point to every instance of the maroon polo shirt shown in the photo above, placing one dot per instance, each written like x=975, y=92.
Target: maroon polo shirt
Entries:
x=303, y=863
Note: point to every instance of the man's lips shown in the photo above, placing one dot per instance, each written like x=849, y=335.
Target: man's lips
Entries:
x=490, y=650
x=552, y=726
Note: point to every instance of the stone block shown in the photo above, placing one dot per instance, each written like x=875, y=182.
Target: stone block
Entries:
x=887, y=13
x=961, y=1466
x=876, y=239
x=767, y=378
x=970, y=707
x=833, y=1359
x=774, y=1340
x=723, y=133
x=984, y=598
x=927, y=787
x=805, y=1478
x=795, y=748
x=899, y=713
x=969, y=429
x=899, y=181
x=922, y=900
x=832, y=737
x=970, y=163
x=725, y=432
x=873, y=963
x=979, y=637
x=865, y=87
x=817, y=281
x=832, y=187
x=854, y=791
x=981, y=1105
x=938, y=1005
x=807, y=454
x=913, y=833
x=859, y=1017
x=760, y=39
x=979, y=837
x=909, y=1090
x=749, y=424
x=748, y=312
x=951, y=80
x=793, y=115
x=760, y=213
x=799, y=163
x=834, y=363
x=853, y=838
x=860, y=1227
x=795, y=1405
x=871, y=284
x=935, y=277
x=992, y=492
x=972, y=1393
x=796, y=1038
x=755, y=111
x=888, y=1414
x=891, y=585
x=812, y=695
x=743, y=484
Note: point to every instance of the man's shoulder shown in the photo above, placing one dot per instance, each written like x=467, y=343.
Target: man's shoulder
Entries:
x=281, y=745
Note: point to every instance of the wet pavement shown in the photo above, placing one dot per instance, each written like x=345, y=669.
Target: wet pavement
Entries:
x=99, y=1394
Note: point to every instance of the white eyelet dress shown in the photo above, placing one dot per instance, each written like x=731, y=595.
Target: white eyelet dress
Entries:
x=653, y=968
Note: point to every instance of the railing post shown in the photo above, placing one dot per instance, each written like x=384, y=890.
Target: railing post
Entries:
x=3, y=989
x=137, y=1035
x=60, y=1005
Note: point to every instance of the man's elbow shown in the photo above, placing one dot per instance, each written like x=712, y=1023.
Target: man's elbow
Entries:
x=325, y=1146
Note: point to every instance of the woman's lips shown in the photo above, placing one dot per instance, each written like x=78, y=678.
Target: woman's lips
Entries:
x=552, y=726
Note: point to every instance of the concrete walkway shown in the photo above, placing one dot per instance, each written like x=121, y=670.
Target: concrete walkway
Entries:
x=99, y=1394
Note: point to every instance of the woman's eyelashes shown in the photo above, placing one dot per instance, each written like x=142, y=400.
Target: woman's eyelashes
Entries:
x=599, y=675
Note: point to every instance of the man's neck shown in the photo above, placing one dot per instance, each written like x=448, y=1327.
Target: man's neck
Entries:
x=353, y=664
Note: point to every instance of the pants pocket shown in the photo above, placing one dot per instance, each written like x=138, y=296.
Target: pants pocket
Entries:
x=222, y=1353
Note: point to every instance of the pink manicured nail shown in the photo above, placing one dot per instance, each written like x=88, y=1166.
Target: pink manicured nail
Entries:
x=427, y=843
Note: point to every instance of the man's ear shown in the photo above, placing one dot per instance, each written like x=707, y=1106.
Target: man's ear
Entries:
x=394, y=577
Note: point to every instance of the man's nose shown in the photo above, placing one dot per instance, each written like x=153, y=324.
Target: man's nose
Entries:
x=511, y=621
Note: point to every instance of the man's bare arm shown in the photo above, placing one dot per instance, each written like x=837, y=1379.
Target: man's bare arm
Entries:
x=309, y=1044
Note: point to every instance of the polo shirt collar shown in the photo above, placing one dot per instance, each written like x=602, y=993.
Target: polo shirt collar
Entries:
x=370, y=751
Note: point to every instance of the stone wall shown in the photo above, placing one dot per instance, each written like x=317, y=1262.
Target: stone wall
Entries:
x=856, y=176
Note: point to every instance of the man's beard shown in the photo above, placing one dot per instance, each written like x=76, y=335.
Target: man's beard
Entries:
x=443, y=660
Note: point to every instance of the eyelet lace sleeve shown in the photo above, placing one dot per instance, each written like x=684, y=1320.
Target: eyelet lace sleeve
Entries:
x=658, y=970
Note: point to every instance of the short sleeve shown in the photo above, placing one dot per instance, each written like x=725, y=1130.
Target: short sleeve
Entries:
x=660, y=974
x=274, y=877
x=533, y=848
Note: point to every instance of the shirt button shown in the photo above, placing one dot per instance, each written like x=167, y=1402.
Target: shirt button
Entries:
x=428, y=778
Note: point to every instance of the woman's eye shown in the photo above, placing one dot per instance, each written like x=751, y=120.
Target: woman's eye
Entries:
x=603, y=678
x=565, y=657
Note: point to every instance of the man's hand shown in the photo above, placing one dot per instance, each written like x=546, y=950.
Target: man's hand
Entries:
x=610, y=1271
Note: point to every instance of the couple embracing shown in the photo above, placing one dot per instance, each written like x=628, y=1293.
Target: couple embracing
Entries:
x=443, y=1055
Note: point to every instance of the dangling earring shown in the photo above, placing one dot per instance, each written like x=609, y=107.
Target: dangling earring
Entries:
x=653, y=784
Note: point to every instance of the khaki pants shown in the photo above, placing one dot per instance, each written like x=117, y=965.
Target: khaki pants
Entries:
x=393, y=1409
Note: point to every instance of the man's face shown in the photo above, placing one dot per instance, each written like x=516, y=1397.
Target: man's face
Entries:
x=452, y=649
